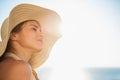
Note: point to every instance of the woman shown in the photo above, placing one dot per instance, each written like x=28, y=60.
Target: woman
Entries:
x=28, y=35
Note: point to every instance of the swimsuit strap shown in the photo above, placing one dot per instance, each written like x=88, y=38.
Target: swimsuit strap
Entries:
x=35, y=74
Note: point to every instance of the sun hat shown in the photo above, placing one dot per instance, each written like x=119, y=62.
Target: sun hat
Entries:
x=49, y=21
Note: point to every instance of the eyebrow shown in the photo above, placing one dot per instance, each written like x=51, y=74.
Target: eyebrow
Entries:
x=35, y=26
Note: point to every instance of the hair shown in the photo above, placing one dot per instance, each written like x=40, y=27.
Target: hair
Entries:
x=17, y=29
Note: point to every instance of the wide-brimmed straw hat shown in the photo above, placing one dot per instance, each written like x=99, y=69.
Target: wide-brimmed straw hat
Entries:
x=49, y=21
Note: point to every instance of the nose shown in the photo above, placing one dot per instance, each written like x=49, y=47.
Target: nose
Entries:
x=40, y=34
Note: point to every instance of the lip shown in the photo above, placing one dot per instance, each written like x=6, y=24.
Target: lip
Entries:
x=40, y=40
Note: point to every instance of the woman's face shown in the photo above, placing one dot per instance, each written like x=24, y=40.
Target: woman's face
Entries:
x=30, y=37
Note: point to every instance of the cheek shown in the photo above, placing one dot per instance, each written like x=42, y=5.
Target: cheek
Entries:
x=23, y=37
x=26, y=34
x=27, y=37
x=25, y=40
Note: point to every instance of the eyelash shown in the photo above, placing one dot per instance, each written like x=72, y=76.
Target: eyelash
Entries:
x=34, y=29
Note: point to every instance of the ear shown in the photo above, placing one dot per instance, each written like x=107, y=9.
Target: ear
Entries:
x=13, y=36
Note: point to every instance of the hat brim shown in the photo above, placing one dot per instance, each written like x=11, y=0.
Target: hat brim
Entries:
x=49, y=21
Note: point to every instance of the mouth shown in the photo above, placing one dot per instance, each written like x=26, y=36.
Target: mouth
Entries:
x=40, y=40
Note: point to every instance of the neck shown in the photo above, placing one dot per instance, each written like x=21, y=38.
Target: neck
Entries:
x=25, y=56
x=23, y=53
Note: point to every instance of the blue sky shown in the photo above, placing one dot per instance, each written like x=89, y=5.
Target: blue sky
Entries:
x=111, y=5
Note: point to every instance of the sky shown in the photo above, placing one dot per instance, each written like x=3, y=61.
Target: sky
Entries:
x=90, y=37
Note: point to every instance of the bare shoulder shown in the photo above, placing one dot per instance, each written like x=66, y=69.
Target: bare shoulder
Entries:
x=19, y=65
x=15, y=70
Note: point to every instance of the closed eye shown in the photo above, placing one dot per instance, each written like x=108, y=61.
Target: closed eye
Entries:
x=34, y=29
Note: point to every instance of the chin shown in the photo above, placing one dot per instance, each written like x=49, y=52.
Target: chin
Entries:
x=38, y=48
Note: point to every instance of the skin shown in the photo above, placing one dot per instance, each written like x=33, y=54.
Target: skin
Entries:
x=24, y=43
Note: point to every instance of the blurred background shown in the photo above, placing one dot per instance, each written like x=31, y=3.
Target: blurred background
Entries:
x=89, y=48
